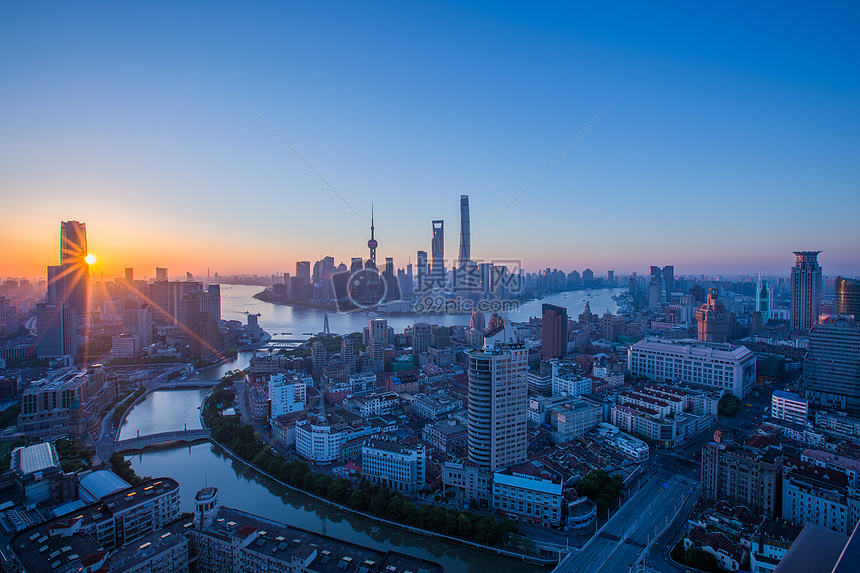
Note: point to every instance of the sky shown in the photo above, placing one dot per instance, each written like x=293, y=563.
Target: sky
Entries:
x=733, y=139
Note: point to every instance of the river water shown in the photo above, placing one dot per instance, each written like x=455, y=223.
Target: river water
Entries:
x=241, y=487
x=204, y=464
x=236, y=301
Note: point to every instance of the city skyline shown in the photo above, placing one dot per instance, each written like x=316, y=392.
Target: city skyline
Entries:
x=731, y=141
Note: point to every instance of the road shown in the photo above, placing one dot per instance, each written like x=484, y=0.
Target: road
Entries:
x=624, y=538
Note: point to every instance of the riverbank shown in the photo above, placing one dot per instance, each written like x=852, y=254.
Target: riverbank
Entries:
x=532, y=559
x=257, y=455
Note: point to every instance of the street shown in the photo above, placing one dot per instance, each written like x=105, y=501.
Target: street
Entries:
x=629, y=532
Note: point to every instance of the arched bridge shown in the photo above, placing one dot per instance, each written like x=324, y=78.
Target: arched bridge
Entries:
x=135, y=444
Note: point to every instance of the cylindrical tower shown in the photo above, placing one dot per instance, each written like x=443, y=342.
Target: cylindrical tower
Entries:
x=205, y=505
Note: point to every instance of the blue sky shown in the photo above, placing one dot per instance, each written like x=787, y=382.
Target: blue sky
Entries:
x=734, y=140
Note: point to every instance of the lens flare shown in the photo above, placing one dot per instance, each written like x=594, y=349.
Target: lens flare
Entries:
x=90, y=259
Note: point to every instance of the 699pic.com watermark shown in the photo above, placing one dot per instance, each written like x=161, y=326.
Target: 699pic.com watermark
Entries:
x=439, y=287
x=439, y=304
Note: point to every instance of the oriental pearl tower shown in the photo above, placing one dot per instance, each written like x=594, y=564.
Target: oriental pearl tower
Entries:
x=372, y=295
x=371, y=244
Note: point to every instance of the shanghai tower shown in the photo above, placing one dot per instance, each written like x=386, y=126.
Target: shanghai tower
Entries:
x=465, y=244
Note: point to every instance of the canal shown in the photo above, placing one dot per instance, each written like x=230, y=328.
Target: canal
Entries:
x=241, y=487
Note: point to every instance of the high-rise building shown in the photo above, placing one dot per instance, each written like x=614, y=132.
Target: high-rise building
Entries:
x=57, y=326
x=56, y=284
x=553, y=332
x=347, y=353
x=805, y=291
x=713, y=320
x=210, y=302
x=668, y=282
x=286, y=394
x=73, y=242
x=392, y=287
x=159, y=296
x=655, y=290
x=613, y=326
x=741, y=475
x=831, y=371
x=318, y=357
x=477, y=321
x=139, y=321
x=176, y=293
x=421, y=334
x=437, y=251
x=160, y=273
x=378, y=330
x=848, y=297
x=375, y=356
x=75, y=271
x=498, y=401
x=465, y=234
x=764, y=298
x=129, y=275
x=303, y=271
x=421, y=271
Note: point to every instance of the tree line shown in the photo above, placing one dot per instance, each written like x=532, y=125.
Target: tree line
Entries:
x=362, y=496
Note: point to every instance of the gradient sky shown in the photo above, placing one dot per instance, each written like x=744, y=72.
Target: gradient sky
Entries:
x=735, y=139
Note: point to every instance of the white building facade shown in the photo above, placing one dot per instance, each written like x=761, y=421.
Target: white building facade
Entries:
x=395, y=466
x=287, y=393
x=724, y=366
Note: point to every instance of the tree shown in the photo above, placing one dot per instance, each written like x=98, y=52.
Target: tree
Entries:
x=409, y=513
x=379, y=504
x=450, y=523
x=308, y=482
x=337, y=490
x=395, y=508
x=600, y=488
x=321, y=484
x=701, y=559
x=728, y=405
x=522, y=543
x=356, y=500
x=488, y=531
x=464, y=527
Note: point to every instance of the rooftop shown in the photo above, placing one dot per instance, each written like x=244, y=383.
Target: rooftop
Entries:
x=326, y=554
x=833, y=459
x=389, y=446
x=694, y=348
x=128, y=557
x=36, y=458
x=815, y=549
x=100, y=483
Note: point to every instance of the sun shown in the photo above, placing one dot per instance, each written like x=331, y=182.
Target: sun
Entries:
x=90, y=259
